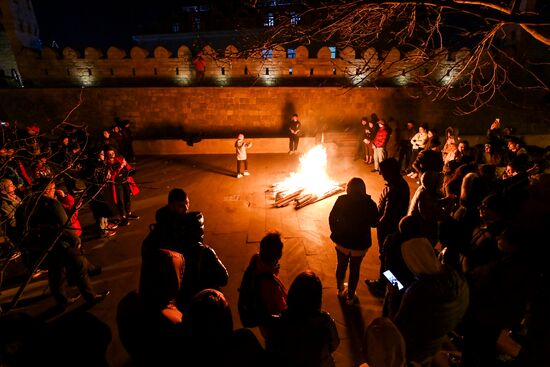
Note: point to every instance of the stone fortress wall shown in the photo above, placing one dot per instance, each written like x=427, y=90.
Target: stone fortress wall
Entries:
x=156, y=89
x=138, y=66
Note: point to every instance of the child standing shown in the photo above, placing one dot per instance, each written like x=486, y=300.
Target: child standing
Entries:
x=241, y=146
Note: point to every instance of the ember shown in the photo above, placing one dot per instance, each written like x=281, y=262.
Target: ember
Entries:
x=309, y=185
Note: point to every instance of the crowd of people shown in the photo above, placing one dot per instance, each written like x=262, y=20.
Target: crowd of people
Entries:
x=463, y=256
x=45, y=179
x=460, y=262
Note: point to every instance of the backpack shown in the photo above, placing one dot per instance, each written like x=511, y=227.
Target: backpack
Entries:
x=252, y=312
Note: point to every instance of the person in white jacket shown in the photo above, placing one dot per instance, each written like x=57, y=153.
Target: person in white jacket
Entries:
x=418, y=144
x=240, y=147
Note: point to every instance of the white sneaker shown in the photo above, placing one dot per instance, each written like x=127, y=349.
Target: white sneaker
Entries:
x=239, y=175
x=246, y=173
x=290, y=152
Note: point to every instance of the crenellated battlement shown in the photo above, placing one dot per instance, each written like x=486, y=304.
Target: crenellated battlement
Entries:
x=119, y=67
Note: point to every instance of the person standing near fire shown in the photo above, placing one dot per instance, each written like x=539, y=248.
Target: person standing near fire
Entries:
x=294, y=130
x=240, y=147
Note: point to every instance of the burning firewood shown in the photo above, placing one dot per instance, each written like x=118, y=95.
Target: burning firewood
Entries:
x=314, y=198
x=283, y=200
x=309, y=184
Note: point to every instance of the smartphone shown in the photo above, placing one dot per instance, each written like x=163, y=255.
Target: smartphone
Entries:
x=393, y=280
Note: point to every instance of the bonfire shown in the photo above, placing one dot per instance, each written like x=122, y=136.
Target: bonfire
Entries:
x=309, y=184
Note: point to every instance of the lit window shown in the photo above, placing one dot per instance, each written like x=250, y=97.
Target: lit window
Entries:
x=176, y=27
x=332, y=52
x=294, y=18
x=291, y=53
x=267, y=54
x=269, y=20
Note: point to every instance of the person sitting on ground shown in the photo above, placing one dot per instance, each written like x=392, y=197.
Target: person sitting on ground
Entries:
x=303, y=334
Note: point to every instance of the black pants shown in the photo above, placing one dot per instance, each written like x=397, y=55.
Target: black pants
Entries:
x=405, y=154
x=124, y=199
x=293, y=142
x=415, y=153
x=239, y=165
x=62, y=260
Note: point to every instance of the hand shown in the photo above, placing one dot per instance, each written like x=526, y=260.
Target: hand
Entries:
x=60, y=193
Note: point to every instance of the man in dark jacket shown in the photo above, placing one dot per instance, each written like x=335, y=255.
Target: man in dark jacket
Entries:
x=392, y=206
x=350, y=222
x=169, y=220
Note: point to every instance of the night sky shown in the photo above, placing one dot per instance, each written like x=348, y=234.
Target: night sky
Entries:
x=97, y=23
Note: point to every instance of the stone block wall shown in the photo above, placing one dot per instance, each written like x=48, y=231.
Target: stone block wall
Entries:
x=172, y=112
x=118, y=67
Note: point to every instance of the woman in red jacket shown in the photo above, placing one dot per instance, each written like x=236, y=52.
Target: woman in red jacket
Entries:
x=122, y=185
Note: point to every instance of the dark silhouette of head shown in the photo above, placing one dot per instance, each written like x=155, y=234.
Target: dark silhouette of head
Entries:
x=409, y=227
x=305, y=294
x=390, y=170
x=356, y=187
x=209, y=317
x=271, y=248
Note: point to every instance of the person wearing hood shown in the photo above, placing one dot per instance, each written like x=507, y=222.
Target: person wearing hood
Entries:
x=433, y=305
x=351, y=219
x=383, y=344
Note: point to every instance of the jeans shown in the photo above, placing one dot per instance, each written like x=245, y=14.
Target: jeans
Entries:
x=354, y=268
x=379, y=156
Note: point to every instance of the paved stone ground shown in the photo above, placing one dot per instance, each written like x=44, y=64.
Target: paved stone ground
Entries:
x=237, y=212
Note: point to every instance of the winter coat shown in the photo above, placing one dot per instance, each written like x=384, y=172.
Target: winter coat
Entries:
x=351, y=220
